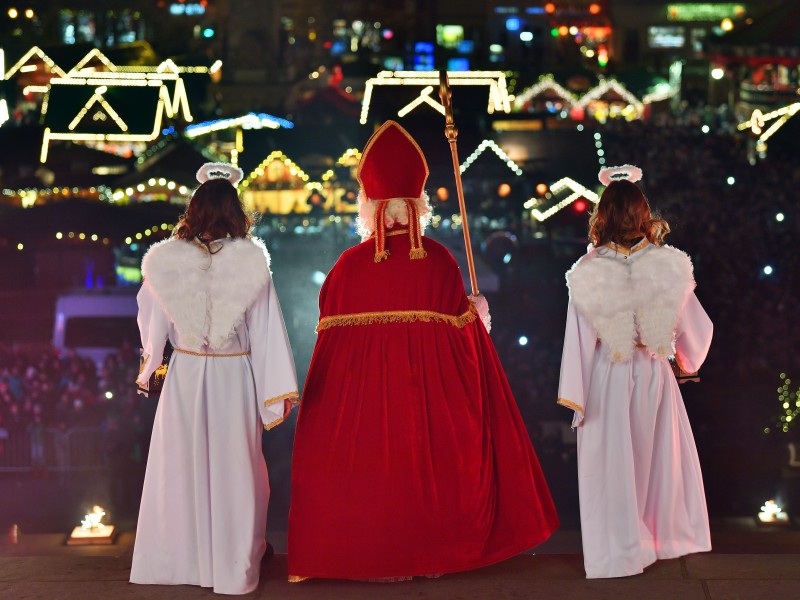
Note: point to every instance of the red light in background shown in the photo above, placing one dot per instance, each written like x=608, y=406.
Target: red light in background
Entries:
x=550, y=7
x=594, y=8
x=579, y=205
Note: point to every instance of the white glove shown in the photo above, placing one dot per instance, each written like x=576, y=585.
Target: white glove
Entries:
x=482, y=306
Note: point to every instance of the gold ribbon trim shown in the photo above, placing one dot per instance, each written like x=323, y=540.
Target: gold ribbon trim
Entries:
x=398, y=316
x=293, y=396
x=191, y=353
x=297, y=578
x=570, y=404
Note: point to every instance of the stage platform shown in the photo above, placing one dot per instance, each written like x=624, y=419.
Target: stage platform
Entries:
x=747, y=563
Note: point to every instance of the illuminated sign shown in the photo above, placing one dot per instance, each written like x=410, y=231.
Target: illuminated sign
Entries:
x=449, y=36
x=705, y=12
x=666, y=37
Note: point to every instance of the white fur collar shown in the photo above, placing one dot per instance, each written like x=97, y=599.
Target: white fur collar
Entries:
x=623, y=298
x=206, y=295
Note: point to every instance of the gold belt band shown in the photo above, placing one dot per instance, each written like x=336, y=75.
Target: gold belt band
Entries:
x=398, y=316
x=191, y=353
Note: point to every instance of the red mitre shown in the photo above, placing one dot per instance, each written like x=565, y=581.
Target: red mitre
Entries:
x=392, y=165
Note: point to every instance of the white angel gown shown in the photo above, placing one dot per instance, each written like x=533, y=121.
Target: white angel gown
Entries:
x=640, y=485
x=203, y=512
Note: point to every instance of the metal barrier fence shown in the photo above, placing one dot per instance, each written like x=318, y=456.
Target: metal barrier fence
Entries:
x=76, y=449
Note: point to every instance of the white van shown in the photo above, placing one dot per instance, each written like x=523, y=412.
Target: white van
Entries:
x=96, y=323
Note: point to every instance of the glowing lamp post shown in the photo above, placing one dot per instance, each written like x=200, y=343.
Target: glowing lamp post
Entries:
x=92, y=530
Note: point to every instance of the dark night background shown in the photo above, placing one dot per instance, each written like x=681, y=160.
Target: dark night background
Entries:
x=94, y=167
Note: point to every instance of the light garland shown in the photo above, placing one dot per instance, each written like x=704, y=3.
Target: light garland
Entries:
x=143, y=187
x=663, y=91
x=758, y=120
x=97, y=98
x=578, y=191
x=490, y=144
x=138, y=237
x=545, y=83
x=276, y=155
x=601, y=153
x=4, y=115
x=35, y=52
x=790, y=407
x=93, y=53
x=499, y=100
x=611, y=85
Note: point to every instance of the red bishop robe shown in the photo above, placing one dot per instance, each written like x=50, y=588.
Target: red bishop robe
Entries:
x=410, y=454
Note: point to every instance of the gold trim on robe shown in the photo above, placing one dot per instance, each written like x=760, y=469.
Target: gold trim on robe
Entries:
x=570, y=404
x=398, y=316
x=293, y=396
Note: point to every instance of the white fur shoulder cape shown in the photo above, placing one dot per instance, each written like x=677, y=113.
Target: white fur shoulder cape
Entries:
x=206, y=295
x=622, y=298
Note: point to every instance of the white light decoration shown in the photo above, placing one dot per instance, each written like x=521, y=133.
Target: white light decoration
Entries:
x=578, y=191
x=4, y=116
x=611, y=85
x=35, y=52
x=731, y=180
x=97, y=98
x=758, y=121
x=490, y=144
x=92, y=54
x=423, y=98
x=767, y=270
x=705, y=129
x=717, y=73
x=780, y=217
x=523, y=340
x=495, y=81
x=92, y=530
x=545, y=84
x=772, y=513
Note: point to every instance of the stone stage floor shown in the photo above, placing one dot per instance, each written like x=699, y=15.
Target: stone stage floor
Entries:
x=748, y=562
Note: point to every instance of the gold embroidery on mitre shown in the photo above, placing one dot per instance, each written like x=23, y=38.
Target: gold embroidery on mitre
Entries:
x=297, y=578
x=570, y=404
x=398, y=316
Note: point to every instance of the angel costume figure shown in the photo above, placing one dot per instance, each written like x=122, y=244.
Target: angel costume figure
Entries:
x=209, y=291
x=632, y=306
x=410, y=455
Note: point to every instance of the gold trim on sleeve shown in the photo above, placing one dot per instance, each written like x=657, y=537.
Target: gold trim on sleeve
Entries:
x=297, y=578
x=570, y=404
x=293, y=396
x=275, y=423
x=398, y=316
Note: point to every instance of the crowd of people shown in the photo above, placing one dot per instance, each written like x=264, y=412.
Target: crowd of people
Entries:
x=47, y=392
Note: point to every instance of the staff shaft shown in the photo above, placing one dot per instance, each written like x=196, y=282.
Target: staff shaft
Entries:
x=451, y=133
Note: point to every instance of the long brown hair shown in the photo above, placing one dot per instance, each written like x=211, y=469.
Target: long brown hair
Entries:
x=623, y=216
x=214, y=212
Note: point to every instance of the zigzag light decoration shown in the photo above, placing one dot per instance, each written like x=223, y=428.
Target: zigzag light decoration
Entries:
x=495, y=81
x=545, y=83
x=758, y=120
x=578, y=191
x=35, y=51
x=497, y=150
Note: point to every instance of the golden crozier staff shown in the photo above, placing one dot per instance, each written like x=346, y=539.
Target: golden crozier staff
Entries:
x=451, y=133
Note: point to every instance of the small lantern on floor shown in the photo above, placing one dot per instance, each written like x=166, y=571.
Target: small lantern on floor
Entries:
x=92, y=530
x=772, y=514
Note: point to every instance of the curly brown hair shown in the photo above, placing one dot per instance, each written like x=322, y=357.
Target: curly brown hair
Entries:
x=214, y=212
x=623, y=216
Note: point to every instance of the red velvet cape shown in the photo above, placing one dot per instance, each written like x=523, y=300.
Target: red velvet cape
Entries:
x=410, y=455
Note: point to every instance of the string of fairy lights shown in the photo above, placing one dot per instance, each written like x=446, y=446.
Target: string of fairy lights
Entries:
x=790, y=405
